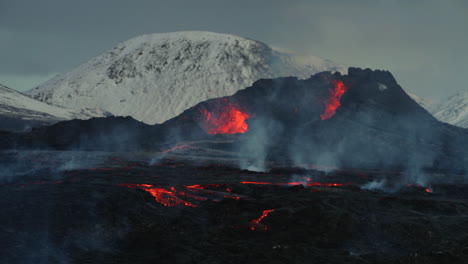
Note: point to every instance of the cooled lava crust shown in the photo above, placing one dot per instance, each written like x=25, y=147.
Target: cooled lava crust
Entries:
x=183, y=210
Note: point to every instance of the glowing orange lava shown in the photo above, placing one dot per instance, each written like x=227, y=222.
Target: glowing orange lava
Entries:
x=162, y=196
x=334, y=101
x=254, y=224
x=170, y=196
x=228, y=119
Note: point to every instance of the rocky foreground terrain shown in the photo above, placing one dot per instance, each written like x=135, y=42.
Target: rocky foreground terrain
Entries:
x=172, y=207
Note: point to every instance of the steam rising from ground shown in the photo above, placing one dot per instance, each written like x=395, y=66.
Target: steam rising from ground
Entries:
x=379, y=128
x=257, y=146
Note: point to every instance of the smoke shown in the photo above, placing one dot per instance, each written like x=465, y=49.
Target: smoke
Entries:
x=255, y=147
x=375, y=126
x=298, y=179
x=379, y=184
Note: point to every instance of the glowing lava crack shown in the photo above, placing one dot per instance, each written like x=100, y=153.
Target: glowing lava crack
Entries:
x=255, y=224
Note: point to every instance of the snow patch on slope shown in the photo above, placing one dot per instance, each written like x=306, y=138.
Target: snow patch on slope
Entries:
x=10, y=98
x=20, y=112
x=156, y=77
x=454, y=110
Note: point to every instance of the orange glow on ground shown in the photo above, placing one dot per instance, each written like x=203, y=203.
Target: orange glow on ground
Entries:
x=334, y=101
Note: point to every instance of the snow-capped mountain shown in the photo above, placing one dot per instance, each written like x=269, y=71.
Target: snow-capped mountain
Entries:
x=156, y=77
x=454, y=110
x=19, y=112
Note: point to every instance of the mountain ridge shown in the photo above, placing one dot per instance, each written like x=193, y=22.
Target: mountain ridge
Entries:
x=19, y=112
x=155, y=77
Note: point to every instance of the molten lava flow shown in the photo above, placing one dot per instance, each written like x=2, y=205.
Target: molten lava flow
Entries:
x=162, y=196
x=171, y=196
x=254, y=223
x=258, y=183
x=334, y=101
x=228, y=118
x=204, y=189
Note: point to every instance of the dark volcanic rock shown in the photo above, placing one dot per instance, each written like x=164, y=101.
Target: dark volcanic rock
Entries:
x=87, y=216
x=117, y=133
x=377, y=125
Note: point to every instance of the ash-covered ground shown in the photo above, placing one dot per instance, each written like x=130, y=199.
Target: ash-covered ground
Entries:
x=189, y=204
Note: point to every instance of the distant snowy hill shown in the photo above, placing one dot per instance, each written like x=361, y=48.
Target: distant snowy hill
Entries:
x=454, y=110
x=19, y=112
x=156, y=77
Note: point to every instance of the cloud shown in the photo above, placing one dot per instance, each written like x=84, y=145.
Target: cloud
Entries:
x=422, y=42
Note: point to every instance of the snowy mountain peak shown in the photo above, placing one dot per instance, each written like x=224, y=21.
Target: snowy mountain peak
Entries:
x=454, y=110
x=156, y=77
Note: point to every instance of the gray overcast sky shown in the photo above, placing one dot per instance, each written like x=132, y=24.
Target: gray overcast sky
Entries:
x=423, y=42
